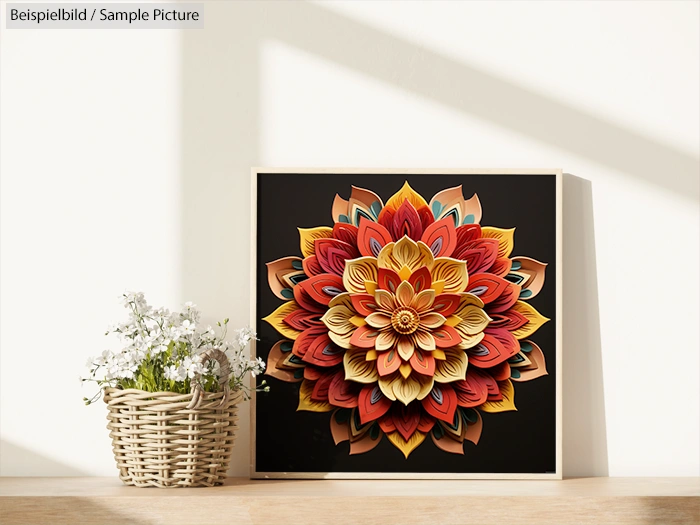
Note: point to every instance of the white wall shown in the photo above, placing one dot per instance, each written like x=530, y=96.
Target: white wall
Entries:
x=125, y=158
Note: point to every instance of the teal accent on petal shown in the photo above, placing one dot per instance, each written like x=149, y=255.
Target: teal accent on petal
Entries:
x=295, y=359
x=525, y=294
x=514, y=373
x=359, y=214
x=525, y=347
x=515, y=279
x=469, y=415
x=438, y=431
x=296, y=279
x=454, y=215
x=437, y=209
x=376, y=209
x=516, y=265
x=517, y=358
x=287, y=293
x=342, y=415
x=374, y=431
x=297, y=265
x=344, y=218
x=286, y=346
x=298, y=374
x=469, y=219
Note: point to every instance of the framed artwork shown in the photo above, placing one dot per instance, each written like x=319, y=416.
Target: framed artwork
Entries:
x=410, y=322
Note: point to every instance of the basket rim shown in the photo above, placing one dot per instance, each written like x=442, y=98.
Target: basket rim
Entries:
x=111, y=389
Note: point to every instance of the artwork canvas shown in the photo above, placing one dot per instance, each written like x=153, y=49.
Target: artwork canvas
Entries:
x=410, y=323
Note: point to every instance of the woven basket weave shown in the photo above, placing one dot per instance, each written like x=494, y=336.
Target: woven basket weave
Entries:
x=165, y=439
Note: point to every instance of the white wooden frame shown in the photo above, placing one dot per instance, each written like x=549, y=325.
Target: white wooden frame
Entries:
x=557, y=173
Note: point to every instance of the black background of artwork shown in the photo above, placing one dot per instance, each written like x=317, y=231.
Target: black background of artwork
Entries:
x=511, y=442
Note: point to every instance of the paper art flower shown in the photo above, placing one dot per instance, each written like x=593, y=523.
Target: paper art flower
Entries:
x=406, y=319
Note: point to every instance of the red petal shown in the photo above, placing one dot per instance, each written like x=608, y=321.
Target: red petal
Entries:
x=487, y=287
x=471, y=392
x=441, y=237
x=386, y=218
x=333, y=253
x=423, y=362
x=372, y=404
x=322, y=288
x=406, y=222
x=386, y=423
x=500, y=372
x=342, y=393
x=441, y=403
x=507, y=299
x=302, y=319
x=446, y=337
x=345, y=232
x=467, y=233
x=501, y=267
x=312, y=373
x=479, y=255
x=511, y=320
x=371, y=238
x=388, y=279
x=406, y=419
x=324, y=352
x=446, y=303
x=363, y=303
x=388, y=362
x=311, y=266
x=364, y=337
x=304, y=340
x=421, y=279
x=426, y=423
x=496, y=346
x=320, y=391
x=304, y=299
x=426, y=216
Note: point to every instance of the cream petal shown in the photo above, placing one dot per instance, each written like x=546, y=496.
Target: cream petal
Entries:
x=358, y=272
x=385, y=300
x=452, y=368
x=378, y=320
x=452, y=273
x=431, y=320
x=424, y=300
x=337, y=320
x=474, y=320
x=385, y=340
x=405, y=347
x=424, y=340
x=405, y=293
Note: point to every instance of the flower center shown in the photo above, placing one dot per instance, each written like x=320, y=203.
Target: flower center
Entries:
x=405, y=320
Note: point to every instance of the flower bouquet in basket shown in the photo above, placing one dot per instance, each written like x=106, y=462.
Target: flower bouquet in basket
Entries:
x=172, y=392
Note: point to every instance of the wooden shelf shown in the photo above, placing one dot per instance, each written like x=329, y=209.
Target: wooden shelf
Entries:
x=76, y=501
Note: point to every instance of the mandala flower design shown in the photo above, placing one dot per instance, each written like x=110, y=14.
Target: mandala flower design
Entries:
x=406, y=319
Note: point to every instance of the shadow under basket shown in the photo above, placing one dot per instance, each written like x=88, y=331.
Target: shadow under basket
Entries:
x=159, y=442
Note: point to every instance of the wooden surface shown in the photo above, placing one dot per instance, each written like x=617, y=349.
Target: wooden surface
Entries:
x=77, y=501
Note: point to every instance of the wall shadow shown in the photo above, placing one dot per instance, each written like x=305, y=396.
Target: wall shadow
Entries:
x=585, y=450
x=21, y=461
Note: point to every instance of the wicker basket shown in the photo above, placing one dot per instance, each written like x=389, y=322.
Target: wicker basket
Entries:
x=164, y=439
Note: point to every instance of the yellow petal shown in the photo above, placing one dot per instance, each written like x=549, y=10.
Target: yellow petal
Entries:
x=371, y=355
x=405, y=273
x=469, y=341
x=308, y=404
x=453, y=321
x=452, y=368
x=371, y=287
x=337, y=319
x=358, y=368
x=358, y=320
x=307, y=236
x=405, y=293
x=342, y=299
x=423, y=300
x=405, y=252
x=474, y=320
x=359, y=271
x=452, y=272
x=405, y=369
x=466, y=299
x=405, y=347
x=406, y=193
x=504, y=238
x=378, y=320
x=406, y=447
x=534, y=320
x=438, y=354
x=504, y=405
x=276, y=319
